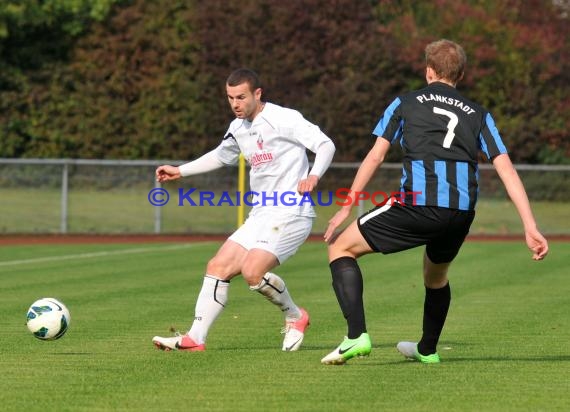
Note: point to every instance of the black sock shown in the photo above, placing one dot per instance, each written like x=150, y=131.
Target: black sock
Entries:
x=436, y=305
x=348, y=287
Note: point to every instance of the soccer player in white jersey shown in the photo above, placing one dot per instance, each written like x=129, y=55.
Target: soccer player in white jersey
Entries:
x=273, y=140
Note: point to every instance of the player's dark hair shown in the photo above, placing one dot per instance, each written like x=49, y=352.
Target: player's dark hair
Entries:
x=447, y=59
x=241, y=76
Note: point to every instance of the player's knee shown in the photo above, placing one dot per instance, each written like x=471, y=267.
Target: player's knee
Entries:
x=251, y=275
x=333, y=248
x=336, y=250
x=212, y=266
x=218, y=268
x=435, y=276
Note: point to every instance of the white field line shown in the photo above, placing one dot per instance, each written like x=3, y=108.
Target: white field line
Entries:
x=94, y=255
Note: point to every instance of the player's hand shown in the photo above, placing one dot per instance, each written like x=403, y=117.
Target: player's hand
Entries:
x=335, y=222
x=307, y=185
x=537, y=244
x=165, y=173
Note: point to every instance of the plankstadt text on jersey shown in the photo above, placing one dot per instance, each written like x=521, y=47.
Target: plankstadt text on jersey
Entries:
x=445, y=99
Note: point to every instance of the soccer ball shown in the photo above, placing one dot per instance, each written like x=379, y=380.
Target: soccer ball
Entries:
x=48, y=319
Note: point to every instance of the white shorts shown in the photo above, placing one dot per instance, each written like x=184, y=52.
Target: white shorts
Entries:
x=277, y=233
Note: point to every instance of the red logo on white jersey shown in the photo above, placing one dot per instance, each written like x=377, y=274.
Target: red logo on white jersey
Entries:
x=260, y=158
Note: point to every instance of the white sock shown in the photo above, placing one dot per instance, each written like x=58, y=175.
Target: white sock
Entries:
x=210, y=303
x=274, y=289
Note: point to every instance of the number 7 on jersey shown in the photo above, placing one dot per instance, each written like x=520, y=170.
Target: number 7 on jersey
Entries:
x=453, y=120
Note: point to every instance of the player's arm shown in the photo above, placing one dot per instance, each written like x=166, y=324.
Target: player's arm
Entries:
x=323, y=159
x=516, y=191
x=206, y=163
x=371, y=162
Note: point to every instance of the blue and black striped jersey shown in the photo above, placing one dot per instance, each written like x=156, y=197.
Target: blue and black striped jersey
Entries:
x=441, y=133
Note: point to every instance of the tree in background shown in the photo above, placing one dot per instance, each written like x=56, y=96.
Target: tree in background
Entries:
x=325, y=58
x=36, y=38
x=146, y=81
x=518, y=63
x=131, y=87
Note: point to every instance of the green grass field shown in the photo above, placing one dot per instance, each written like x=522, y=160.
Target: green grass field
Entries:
x=504, y=348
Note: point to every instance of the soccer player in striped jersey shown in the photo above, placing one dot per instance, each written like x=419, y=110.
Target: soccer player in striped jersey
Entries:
x=441, y=134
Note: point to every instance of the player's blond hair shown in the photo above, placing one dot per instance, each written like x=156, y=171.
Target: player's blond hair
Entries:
x=447, y=59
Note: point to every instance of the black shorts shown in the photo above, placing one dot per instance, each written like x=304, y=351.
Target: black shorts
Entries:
x=389, y=229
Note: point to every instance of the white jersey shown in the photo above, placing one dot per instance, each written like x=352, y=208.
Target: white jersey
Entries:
x=274, y=145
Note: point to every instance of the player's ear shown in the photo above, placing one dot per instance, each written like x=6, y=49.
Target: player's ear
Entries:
x=257, y=93
x=460, y=77
x=430, y=74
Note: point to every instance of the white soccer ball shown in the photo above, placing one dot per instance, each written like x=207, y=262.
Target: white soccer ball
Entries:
x=48, y=319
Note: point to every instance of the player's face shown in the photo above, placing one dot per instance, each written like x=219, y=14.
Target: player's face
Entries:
x=243, y=102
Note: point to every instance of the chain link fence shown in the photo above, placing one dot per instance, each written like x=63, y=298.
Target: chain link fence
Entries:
x=79, y=196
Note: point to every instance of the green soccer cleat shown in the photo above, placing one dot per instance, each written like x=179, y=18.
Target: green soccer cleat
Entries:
x=348, y=349
x=410, y=351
